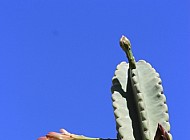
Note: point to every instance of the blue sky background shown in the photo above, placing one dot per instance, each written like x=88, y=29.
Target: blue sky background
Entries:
x=57, y=59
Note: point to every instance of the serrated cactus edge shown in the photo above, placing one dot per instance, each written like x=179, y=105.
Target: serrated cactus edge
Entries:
x=138, y=101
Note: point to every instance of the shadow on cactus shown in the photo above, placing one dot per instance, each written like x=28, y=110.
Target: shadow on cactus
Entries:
x=139, y=104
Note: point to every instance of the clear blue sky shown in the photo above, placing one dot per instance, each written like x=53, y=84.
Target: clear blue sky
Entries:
x=57, y=59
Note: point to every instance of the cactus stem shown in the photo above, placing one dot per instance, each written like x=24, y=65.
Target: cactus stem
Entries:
x=126, y=46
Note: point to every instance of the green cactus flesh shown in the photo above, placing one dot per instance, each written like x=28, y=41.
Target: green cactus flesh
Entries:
x=138, y=101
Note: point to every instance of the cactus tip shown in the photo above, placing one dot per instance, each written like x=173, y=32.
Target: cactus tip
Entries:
x=126, y=46
x=125, y=43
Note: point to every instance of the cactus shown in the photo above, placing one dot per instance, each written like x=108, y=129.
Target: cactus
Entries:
x=138, y=100
x=139, y=104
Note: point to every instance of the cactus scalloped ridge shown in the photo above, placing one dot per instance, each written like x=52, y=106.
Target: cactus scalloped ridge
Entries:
x=149, y=99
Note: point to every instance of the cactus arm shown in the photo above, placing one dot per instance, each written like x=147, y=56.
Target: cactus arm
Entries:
x=138, y=100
